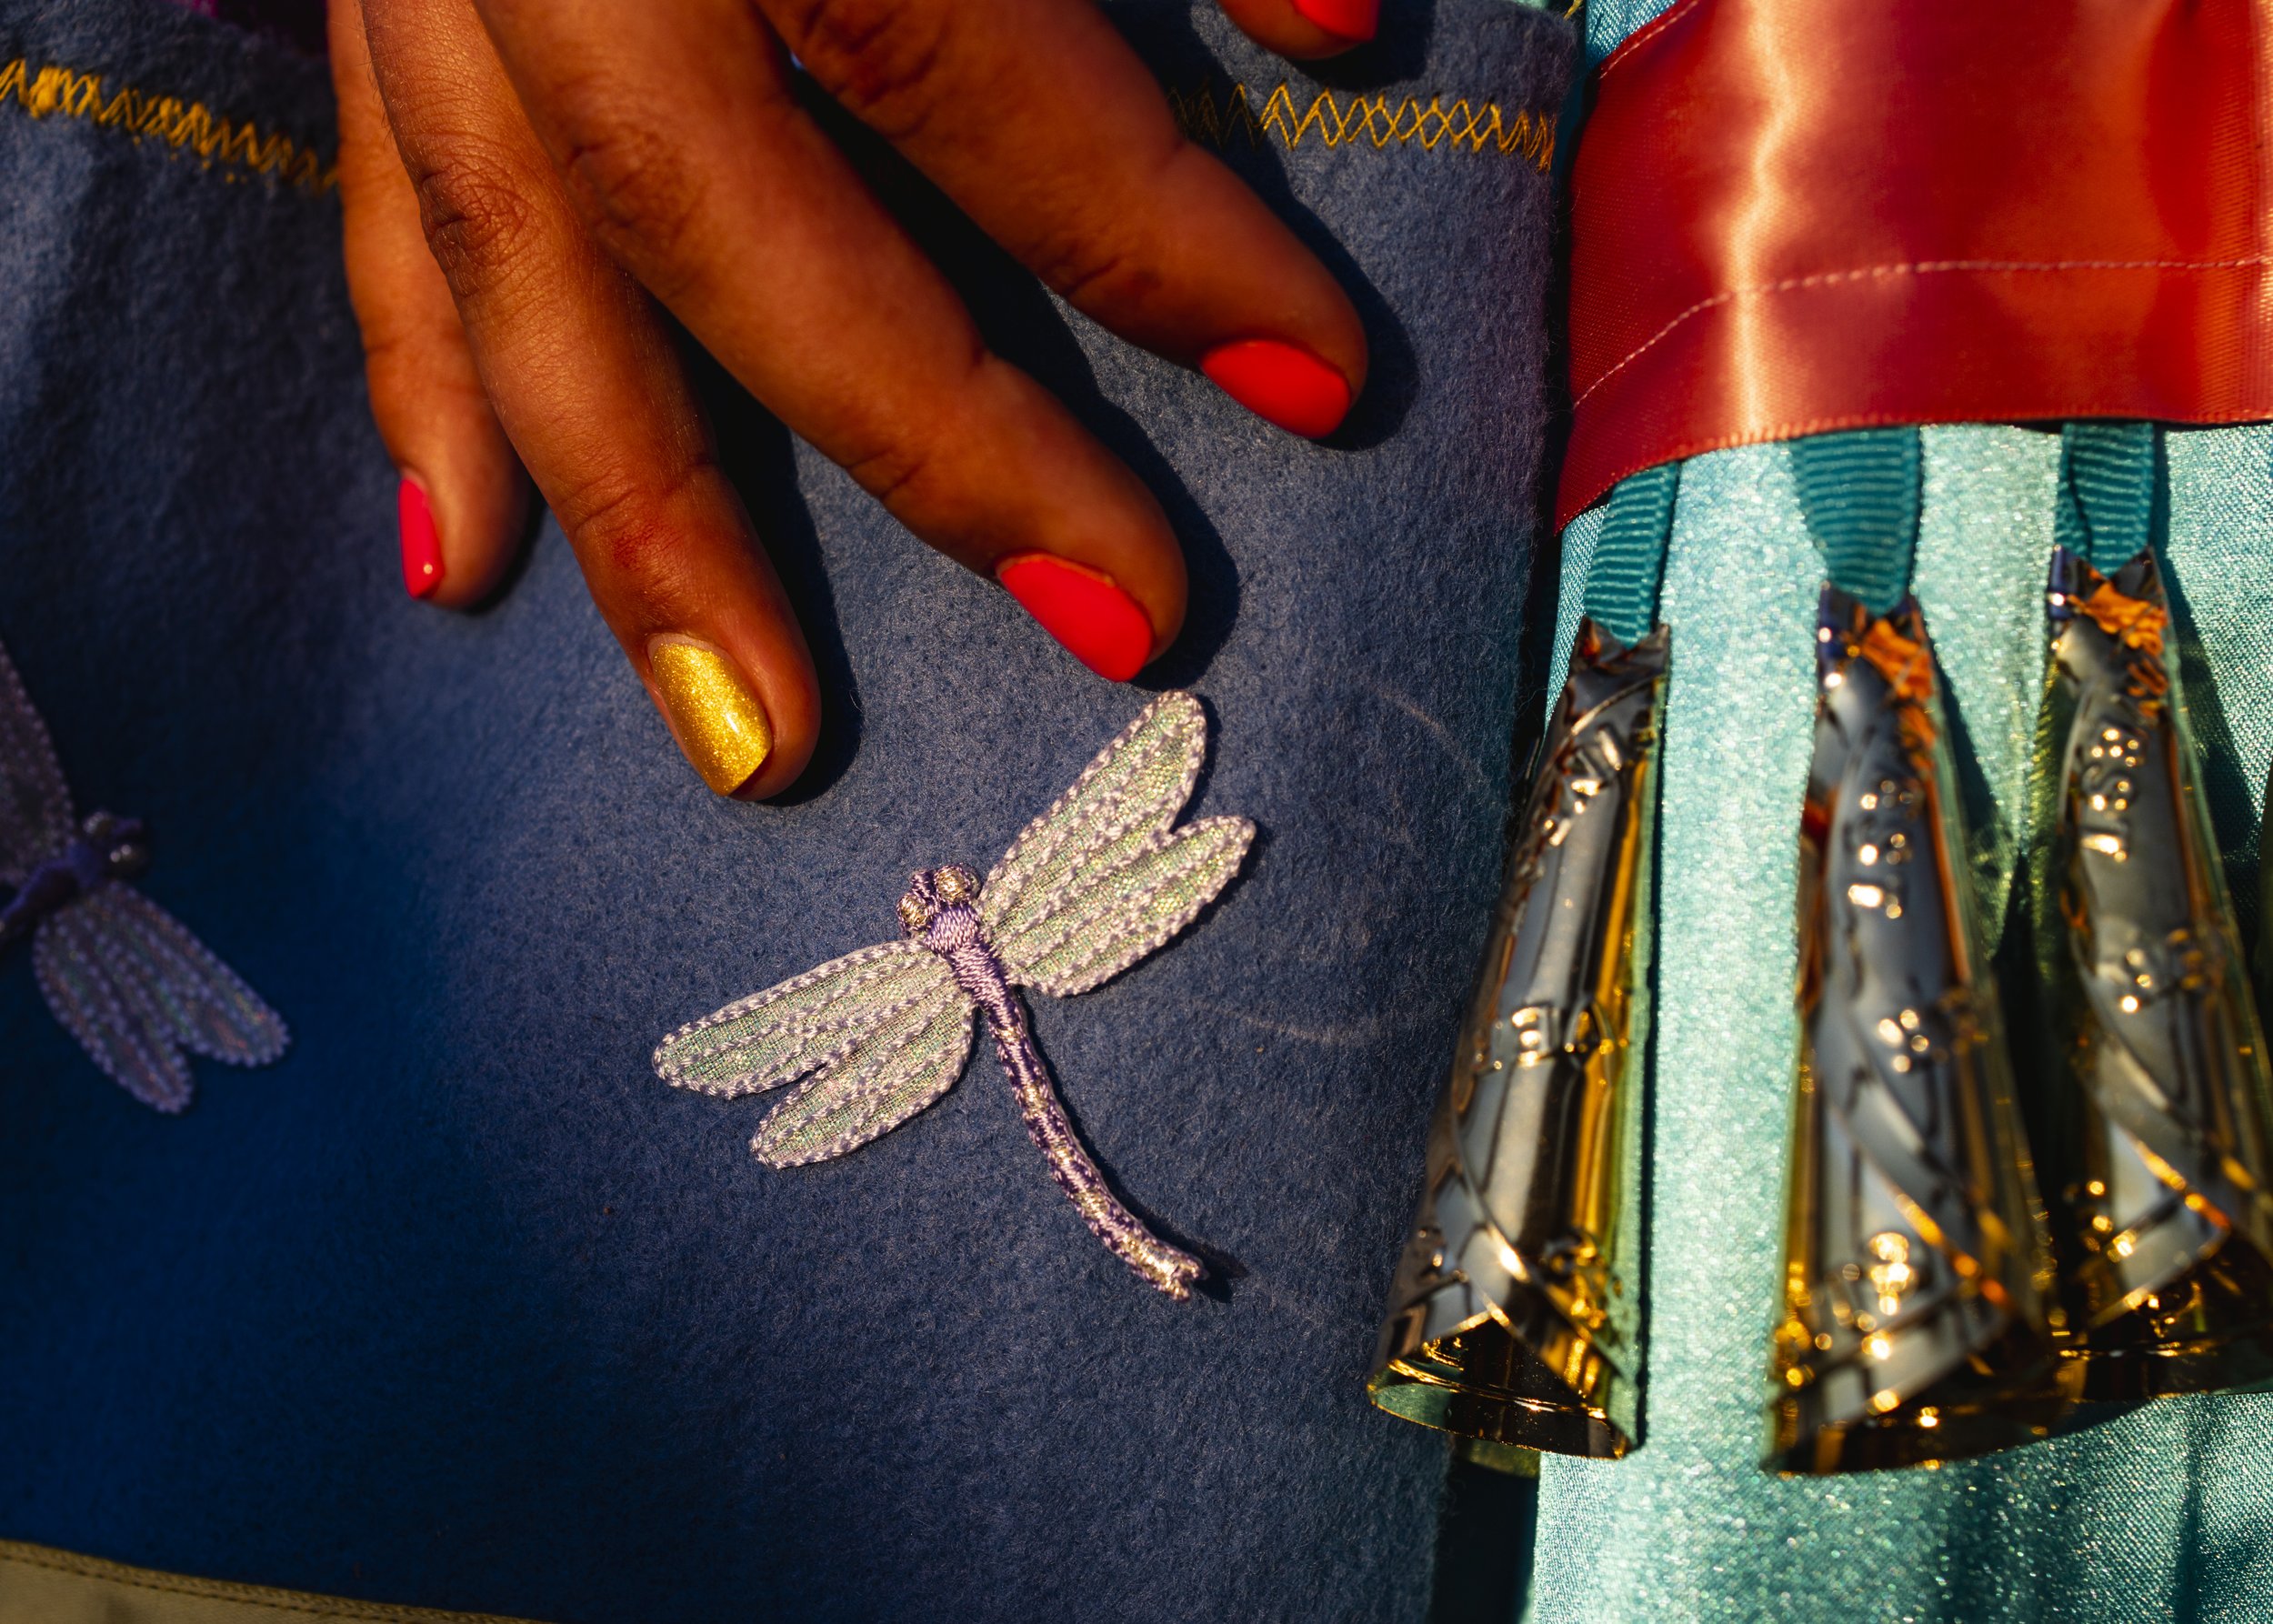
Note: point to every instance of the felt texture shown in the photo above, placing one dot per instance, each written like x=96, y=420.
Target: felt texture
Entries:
x=459, y=1305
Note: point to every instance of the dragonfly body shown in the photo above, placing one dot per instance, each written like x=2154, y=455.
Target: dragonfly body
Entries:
x=125, y=977
x=106, y=848
x=941, y=911
x=1101, y=880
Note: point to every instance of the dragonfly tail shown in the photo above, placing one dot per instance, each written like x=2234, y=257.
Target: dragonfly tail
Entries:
x=1159, y=1264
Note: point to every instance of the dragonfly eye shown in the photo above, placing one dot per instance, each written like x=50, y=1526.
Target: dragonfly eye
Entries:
x=953, y=884
x=915, y=916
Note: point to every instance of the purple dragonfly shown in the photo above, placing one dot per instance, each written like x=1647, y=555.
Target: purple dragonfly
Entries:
x=122, y=974
x=1094, y=885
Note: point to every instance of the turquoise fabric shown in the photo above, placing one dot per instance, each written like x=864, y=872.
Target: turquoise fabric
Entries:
x=2166, y=1512
x=2163, y=1513
x=2220, y=490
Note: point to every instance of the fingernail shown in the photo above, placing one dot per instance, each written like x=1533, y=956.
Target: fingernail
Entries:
x=1281, y=383
x=719, y=721
x=422, y=548
x=1100, y=624
x=1353, y=20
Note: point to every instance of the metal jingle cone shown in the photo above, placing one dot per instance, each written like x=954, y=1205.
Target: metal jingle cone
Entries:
x=2161, y=1163
x=1515, y=1314
x=1916, y=1321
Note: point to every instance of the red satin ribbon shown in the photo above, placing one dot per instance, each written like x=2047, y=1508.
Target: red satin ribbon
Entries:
x=1789, y=217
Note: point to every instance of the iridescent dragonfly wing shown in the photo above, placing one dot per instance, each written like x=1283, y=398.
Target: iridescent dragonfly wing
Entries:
x=777, y=1035
x=1103, y=877
x=901, y=1066
x=130, y=982
x=36, y=816
x=883, y=1032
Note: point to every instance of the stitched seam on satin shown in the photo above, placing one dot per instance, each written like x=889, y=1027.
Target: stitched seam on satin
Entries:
x=194, y=126
x=1920, y=268
x=1532, y=134
x=213, y=1590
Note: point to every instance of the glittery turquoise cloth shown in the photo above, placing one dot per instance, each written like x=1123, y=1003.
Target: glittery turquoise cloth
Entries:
x=2166, y=1512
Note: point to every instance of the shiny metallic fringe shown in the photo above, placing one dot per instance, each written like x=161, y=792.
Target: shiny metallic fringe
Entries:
x=1917, y=1314
x=1515, y=1317
x=2159, y=1139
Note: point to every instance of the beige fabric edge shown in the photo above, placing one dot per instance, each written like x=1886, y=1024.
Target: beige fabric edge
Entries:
x=40, y=1586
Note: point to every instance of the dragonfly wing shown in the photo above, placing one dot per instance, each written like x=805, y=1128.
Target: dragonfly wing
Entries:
x=1127, y=907
x=1122, y=803
x=777, y=1035
x=892, y=1073
x=121, y=1031
x=35, y=817
x=200, y=1002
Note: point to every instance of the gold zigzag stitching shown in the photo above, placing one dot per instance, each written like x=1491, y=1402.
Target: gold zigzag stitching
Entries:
x=1463, y=126
x=183, y=125
x=1369, y=118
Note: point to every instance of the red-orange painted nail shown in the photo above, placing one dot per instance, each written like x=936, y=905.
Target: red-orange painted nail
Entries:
x=422, y=548
x=1100, y=624
x=1353, y=20
x=1280, y=382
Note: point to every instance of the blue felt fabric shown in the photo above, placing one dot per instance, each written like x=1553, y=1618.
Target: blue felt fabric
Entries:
x=459, y=1305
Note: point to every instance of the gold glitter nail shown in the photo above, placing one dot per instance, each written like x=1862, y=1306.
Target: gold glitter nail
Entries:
x=720, y=724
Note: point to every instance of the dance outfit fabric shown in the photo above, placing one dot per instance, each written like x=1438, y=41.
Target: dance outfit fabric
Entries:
x=2156, y=1513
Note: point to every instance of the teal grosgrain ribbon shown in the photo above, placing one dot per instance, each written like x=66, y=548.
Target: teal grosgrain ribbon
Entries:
x=2110, y=479
x=1629, y=554
x=2158, y=1514
x=1861, y=493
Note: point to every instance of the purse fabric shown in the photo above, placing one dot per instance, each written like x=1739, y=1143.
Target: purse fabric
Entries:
x=458, y=1306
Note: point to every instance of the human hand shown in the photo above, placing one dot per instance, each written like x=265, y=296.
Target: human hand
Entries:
x=526, y=181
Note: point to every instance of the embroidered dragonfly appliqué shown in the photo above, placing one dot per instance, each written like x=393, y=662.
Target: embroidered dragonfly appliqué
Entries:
x=1091, y=886
x=123, y=975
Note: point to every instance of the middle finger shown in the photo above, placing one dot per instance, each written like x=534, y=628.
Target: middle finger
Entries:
x=679, y=134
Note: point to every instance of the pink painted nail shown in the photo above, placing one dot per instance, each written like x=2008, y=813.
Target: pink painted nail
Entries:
x=422, y=548
x=1099, y=625
x=1281, y=383
x=1353, y=20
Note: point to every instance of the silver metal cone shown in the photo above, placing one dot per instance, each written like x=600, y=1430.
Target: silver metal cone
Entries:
x=1514, y=1316
x=2159, y=1160
x=1916, y=1318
